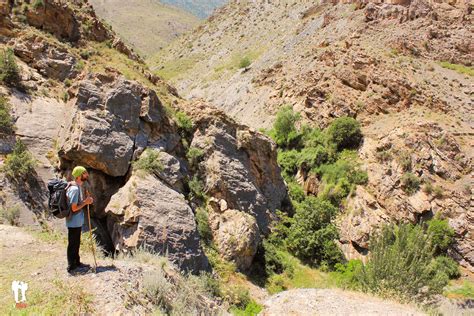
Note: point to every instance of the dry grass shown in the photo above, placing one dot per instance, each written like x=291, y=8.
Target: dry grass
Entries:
x=147, y=25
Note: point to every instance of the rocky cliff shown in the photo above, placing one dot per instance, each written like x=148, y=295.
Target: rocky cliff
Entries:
x=85, y=98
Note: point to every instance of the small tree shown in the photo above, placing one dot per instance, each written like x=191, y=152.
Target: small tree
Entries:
x=284, y=131
x=9, y=72
x=312, y=235
x=344, y=132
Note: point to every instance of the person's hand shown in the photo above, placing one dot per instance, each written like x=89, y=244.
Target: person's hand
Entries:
x=89, y=200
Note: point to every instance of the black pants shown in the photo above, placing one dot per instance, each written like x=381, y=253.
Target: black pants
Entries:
x=74, y=242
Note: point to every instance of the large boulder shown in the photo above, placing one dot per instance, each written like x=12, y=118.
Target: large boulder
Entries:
x=104, y=122
x=146, y=213
x=239, y=169
x=240, y=165
x=235, y=233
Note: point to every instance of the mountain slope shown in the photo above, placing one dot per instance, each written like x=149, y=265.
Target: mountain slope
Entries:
x=404, y=71
x=200, y=8
x=147, y=25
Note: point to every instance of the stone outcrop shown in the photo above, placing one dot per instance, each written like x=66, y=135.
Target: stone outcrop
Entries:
x=145, y=213
x=56, y=18
x=105, y=119
x=53, y=62
x=433, y=156
x=239, y=170
x=239, y=165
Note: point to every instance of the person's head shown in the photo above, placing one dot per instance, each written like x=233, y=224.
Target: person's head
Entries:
x=80, y=174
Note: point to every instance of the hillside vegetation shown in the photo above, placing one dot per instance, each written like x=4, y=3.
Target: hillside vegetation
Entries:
x=147, y=25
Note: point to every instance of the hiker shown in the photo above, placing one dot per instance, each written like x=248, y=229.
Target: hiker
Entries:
x=75, y=221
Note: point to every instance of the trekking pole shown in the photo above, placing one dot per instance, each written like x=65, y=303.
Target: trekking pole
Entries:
x=92, y=240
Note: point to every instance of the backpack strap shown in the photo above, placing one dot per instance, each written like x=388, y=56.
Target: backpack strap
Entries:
x=70, y=184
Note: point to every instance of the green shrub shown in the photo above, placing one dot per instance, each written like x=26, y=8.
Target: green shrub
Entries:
x=441, y=234
x=196, y=188
x=284, y=131
x=288, y=162
x=238, y=296
x=400, y=264
x=10, y=215
x=313, y=137
x=184, y=122
x=79, y=66
x=344, y=132
x=273, y=259
x=336, y=192
x=446, y=265
x=202, y=219
x=410, y=183
x=404, y=159
x=6, y=122
x=438, y=192
x=312, y=235
x=345, y=274
x=313, y=157
x=281, y=230
x=245, y=62
x=296, y=192
x=9, y=72
x=251, y=309
x=346, y=167
x=466, y=290
x=194, y=155
x=383, y=155
x=65, y=96
x=180, y=295
x=37, y=4
x=339, y=178
x=458, y=68
x=428, y=188
x=149, y=161
x=20, y=162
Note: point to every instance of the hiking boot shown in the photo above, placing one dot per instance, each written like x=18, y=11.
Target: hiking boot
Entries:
x=83, y=265
x=70, y=269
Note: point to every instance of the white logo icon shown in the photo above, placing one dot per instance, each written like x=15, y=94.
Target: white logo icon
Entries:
x=19, y=286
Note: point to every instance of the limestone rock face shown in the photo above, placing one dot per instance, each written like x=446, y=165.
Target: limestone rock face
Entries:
x=104, y=123
x=240, y=172
x=147, y=213
x=56, y=18
x=235, y=233
x=173, y=172
x=432, y=155
x=52, y=62
x=239, y=165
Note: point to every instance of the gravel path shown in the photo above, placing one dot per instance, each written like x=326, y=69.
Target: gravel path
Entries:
x=332, y=302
